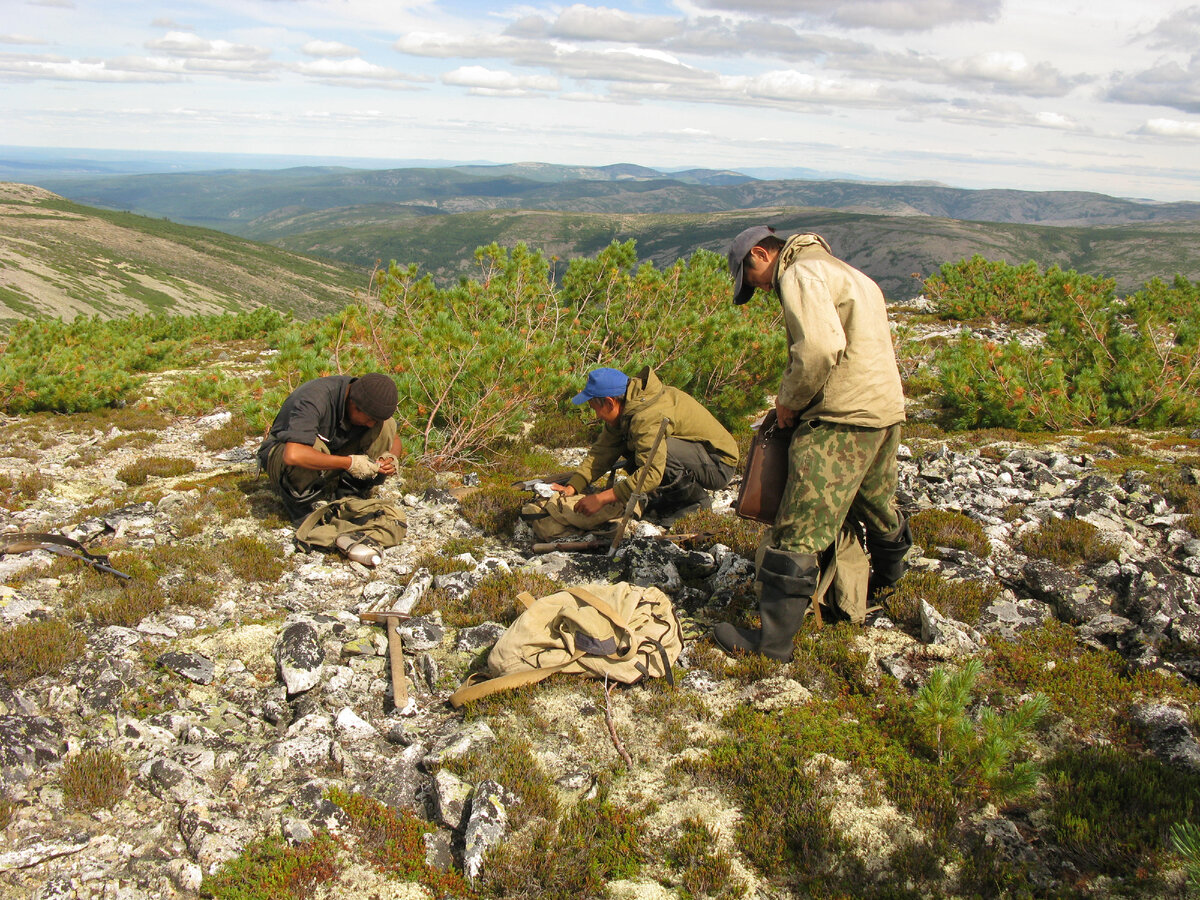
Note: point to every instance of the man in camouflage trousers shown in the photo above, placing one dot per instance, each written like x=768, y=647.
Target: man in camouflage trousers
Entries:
x=841, y=389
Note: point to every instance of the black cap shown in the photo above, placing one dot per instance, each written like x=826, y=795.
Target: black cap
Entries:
x=374, y=394
x=737, y=254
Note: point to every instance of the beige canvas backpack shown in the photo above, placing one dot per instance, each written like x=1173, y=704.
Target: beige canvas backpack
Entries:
x=555, y=517
x=620, y=631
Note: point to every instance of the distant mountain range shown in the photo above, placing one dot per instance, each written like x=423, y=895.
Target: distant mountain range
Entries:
x=437, y=217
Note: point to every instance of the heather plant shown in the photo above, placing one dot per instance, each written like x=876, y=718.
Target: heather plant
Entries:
x=1069, y=542
x=934, y=528
x=40, y=647
x=269, y=869
x=1101, y=360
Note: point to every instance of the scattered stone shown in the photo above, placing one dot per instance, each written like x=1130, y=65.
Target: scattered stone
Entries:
x=191, y=666
x=942, y=630
x=469, y=640
x=450, y=797
x=300, y=657
x=28, y=743
x=487, y=824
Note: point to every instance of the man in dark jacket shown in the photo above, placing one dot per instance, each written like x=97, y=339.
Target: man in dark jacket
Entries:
x=696, y=455
x=334, y=437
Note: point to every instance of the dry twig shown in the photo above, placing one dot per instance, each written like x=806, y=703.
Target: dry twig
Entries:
x=612, y=729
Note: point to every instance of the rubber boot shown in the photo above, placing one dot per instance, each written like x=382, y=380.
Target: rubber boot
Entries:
x=787, y=582
x=887, y=556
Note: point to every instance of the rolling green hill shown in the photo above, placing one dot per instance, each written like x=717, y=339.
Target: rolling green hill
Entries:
x=891, y=249
x=236, y=201
x=61, y=259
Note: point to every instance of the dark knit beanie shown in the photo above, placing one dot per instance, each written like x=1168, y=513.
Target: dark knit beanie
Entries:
x=374, y=394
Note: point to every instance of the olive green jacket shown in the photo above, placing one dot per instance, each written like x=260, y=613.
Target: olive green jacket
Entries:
x=647, y=400
x=841, y=364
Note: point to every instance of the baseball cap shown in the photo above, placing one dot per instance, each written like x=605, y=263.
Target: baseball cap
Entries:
x=737, y=254
x=602, y=383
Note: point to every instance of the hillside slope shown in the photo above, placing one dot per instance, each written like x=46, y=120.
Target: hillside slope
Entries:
x=891, y=249
x=234, y=201
x=61, y=259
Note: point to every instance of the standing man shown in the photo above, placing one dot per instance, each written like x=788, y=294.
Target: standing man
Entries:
x=697, y=454
x=841, y=389
x=334, y=437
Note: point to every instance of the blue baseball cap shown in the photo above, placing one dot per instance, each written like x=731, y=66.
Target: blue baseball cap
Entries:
x=602, y=383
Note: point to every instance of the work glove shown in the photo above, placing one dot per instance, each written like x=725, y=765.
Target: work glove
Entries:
x=362, y=467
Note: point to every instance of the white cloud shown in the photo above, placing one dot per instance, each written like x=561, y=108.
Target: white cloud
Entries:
x=1171, y=128
x=601, y=23
x=1169, y=84
x=888, y=15
x=495, y=82
x=187, y=44
x=447, y=46
x=328, y=48
x=20, y=39
x=1178, y=31
x=77, y=70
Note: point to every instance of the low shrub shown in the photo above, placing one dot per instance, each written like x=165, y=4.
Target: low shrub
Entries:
x=494, y=599
x=597, y=842
x=33, y=649
x=253, y=559
x=962, y=600
x=1068, y=542
x=138, y=472
x=94, y=779
x=933, y=528
x=269, y=869
x=493, y=509
x=1112, y=809
x=393, y=841
x=702, y=870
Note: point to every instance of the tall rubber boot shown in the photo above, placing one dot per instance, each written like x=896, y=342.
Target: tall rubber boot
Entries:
x=887, y=556
x=787, y=582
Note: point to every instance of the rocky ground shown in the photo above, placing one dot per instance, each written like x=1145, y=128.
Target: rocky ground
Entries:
x=235, y=715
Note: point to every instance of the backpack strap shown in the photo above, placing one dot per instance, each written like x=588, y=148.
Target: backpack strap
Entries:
x=526, y=599
x=473, y=689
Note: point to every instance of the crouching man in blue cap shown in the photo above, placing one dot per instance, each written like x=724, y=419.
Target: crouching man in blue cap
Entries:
x=697, y=454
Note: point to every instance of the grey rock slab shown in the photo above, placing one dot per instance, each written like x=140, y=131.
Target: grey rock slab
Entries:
x=39, y=851
x=191, y=666
x=457, y=743
x=450, y=797
x=487, y=824
x=947, y=632
x=29, y=742
x=421, y=634
x=1169, y=735
x=300, y=657
x=478, y=636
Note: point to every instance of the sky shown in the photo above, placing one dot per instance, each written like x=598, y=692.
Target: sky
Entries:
x=1098, y=95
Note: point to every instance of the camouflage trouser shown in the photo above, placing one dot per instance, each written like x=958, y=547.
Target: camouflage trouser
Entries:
x=835, y=471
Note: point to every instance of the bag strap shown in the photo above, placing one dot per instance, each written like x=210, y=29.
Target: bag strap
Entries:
x=601, y=606
x=526, y=599
x=472, y=690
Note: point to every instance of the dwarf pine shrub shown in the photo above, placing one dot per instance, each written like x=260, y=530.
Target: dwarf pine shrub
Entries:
x=1185, y=838
x=477, y=362
x=1100, y=361
x=981, y=751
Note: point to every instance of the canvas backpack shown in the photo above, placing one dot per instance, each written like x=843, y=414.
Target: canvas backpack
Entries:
x=556, y=516
x=620, y=631
x=371, y=518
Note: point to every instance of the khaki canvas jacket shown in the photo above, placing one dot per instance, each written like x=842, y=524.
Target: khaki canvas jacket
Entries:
x=647, y=400
x=841, y=364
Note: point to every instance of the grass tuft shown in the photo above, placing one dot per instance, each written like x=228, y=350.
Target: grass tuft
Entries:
x=94, y=779
x=1069, y=542
x=933, y=528
x=33, y=649
x=154, y=467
